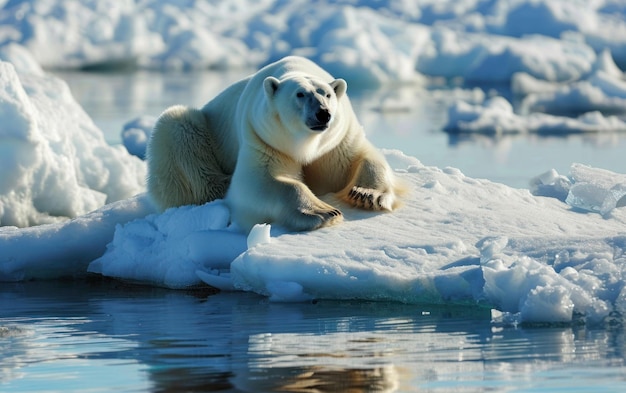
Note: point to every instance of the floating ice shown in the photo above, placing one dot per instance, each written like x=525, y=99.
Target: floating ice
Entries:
x=496, y=117
x=456, y=239
x=364, y=41
x=604, y=90
x=136, y=133
x=64, y=249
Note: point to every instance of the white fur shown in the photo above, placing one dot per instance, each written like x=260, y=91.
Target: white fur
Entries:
x=276, y=140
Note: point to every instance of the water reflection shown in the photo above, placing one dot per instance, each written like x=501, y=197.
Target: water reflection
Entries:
x=114, y=98
x=103, y=335
x=323, y=379
x=408, y=118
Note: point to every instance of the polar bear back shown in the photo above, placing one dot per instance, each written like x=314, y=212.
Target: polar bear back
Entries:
x=222, y=112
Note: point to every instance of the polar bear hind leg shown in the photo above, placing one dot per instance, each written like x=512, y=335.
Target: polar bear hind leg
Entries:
x=183, y=166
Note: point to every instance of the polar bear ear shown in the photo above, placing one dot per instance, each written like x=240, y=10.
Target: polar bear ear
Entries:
x=270, y=84
x=340, y=86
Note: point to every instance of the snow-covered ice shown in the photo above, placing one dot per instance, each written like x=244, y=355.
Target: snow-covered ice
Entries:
x=598, y=99
x=55, y=163
x=496, y=116
x=456, y=240
x=554, y=253
x=377, y=41
x=64, y=249
x=603, y=90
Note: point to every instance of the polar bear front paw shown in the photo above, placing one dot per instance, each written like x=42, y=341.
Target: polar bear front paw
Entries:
x=370, y=199
x=316, y=218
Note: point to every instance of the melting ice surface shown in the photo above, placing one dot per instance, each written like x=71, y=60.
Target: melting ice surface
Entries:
x=455, y=240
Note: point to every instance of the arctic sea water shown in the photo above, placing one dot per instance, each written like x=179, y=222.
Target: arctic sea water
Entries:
x=105, y=335
x=409, y=118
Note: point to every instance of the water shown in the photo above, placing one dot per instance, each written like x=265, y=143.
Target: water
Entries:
x=103, y=335
x=413, y=124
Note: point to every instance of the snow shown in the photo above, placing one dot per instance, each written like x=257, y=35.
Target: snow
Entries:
x=456, y=240
x=378, y=42
x=554, y=253
x=604, y=90
x=64, y=249
x=55, y=163
x=496, y=116
x=598, y=99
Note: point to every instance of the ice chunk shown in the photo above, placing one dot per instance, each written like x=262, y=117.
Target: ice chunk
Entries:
x=285, y=291
x=54, y=162
x=550, y=184
x=603, y=90
x=259, y=234
x=496, y=116
x=587, y=196
x=136, y=133
x=547, y=304
x=596, y=190
x=168, y=249
x=216, y=279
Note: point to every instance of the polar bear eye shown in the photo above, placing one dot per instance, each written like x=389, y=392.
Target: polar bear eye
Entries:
x=300, y=94
x=327, y=95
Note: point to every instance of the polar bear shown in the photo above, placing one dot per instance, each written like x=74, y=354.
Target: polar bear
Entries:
x=270, y=145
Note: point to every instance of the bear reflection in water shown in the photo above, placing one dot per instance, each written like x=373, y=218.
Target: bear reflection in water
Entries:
x=270, y=145
x=324, y=379
x=280, y=379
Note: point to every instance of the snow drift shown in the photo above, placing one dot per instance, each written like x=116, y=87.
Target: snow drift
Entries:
x=54, y=162
x=378, y=42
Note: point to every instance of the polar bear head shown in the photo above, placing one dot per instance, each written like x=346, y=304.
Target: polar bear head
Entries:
x=306, y=108
x=305, y=102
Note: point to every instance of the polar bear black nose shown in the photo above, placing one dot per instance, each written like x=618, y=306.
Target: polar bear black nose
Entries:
x=323, y=116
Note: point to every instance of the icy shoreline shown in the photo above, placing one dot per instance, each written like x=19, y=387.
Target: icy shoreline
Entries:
x=456, y=240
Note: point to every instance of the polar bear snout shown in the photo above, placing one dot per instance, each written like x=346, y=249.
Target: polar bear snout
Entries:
x=323, y=116
x=321, y=120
